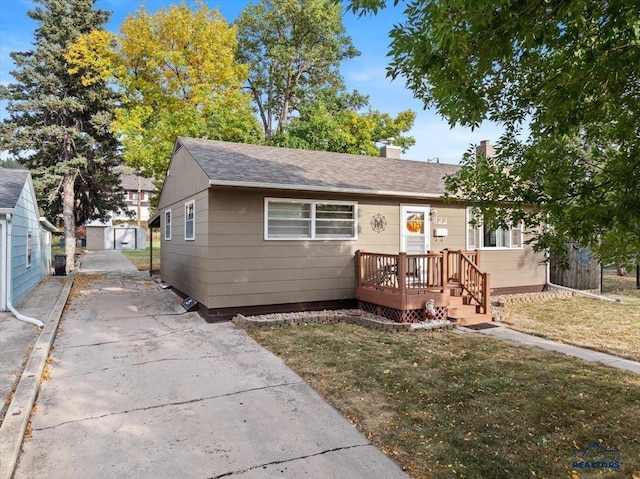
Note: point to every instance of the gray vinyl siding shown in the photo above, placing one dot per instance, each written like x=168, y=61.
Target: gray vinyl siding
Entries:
x=509, y=268
x=183, y=261
x=246, y=270
x=514, y=268
x=184, y=264
x=184, y=179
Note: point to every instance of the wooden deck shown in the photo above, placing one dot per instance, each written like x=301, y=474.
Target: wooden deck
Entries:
x=399, y=285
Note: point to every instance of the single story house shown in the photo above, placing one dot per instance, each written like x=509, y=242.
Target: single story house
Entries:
x=254, y=229
x=25, y=238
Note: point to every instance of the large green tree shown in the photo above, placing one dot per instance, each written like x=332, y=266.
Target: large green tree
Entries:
x=292, y=47
x=60, y=128
x=178, y=75
x=345, y=123
x=562, y=78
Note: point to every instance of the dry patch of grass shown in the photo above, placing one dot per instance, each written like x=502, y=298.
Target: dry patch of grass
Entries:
x=449, y=405
x=612, y=283
x=613, y=328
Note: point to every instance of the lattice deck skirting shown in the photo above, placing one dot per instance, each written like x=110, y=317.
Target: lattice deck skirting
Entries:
x=408, y=316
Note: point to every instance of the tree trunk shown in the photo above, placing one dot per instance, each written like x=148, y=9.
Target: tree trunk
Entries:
x=620, y=270
x=69, y=219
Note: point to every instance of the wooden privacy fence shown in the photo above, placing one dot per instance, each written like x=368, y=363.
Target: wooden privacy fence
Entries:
x=581, y=271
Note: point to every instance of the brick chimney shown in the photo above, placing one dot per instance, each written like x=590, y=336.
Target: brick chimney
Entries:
x=485, y=149
x=389, y=150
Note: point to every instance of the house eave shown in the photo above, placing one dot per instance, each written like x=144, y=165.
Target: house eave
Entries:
x=47, y=225
x=154, y=221
x=323, y=189
x=6, y=211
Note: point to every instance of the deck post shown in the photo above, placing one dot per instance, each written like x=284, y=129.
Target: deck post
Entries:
x=478, y=258
x=358, y=266
x=445, y=269
x=486, y=294
x=402, y=278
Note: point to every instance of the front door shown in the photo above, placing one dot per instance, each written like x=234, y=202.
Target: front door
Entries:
x=414, y=229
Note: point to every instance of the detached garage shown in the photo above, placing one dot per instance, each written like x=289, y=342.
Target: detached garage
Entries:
x=123, y=236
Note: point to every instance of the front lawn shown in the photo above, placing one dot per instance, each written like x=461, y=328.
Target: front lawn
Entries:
x=600, y=325
x=448, y=405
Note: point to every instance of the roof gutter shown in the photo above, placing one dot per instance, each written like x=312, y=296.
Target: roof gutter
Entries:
x=324, y=189
x=48, y=225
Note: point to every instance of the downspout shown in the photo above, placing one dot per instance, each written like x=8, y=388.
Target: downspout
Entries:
x=10, y=307
x=576, y=291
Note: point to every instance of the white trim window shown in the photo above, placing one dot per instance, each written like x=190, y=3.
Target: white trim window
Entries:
x=293, y=219
x=190, y=220
x=483, y=236
x=167, y=225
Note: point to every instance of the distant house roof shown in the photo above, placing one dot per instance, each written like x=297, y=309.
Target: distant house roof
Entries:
x=11, y=185
x=130, y=183
x=239, y=164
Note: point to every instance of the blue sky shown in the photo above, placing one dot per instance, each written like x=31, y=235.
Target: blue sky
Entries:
x=366, y=73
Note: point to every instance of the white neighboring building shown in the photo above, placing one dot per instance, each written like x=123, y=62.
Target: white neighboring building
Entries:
x=133, y=184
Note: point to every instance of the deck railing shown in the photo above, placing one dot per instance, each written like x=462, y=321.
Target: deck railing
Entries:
x=474, y=281
x=424, y=272
x=383, y=271
x=455, y=261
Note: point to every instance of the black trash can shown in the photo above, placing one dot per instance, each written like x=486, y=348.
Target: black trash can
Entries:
x=60, y=264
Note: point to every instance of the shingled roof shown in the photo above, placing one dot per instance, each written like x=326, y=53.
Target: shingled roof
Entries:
x=11, y=184
x=239, y=164
x=130, y=183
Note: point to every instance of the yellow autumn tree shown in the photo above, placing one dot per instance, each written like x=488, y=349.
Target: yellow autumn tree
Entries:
x=177, y=74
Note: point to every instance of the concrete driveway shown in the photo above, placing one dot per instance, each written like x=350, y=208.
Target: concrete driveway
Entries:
x=138, y=388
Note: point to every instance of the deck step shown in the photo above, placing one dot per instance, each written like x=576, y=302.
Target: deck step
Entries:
x=456, y=301
x=472, y=319
x=458, y=310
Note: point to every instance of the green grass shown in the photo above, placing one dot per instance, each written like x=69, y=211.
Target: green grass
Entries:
x=140, y=258
x=449, y=405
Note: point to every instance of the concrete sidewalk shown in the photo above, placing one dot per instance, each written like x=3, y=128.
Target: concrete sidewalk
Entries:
x=107, y=261
x=505, y=333
x=24, y=359
x=17, y=337
x=139, y=388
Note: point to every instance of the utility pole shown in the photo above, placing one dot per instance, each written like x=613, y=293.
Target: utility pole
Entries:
x=139, y=199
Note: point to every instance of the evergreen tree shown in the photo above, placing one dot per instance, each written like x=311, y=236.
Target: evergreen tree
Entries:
x=60, y=128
